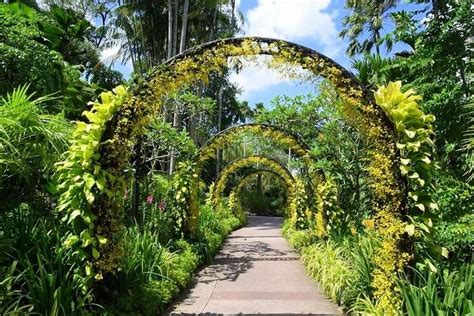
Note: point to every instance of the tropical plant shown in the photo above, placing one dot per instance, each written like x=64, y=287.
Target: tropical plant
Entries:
x=30, y=143
x=25, y=59
x=442, y=293
x=366, y=17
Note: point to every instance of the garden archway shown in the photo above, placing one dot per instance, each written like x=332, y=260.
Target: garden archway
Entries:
x=234, y=199
x=259, y=161
x=279, y=135
x=92, y=175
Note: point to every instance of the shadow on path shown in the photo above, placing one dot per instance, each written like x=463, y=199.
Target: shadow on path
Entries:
x=256, y=272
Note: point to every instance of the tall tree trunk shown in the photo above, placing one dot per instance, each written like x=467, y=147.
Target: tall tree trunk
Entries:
x=170, y=29
x=184, y=27
x=212, y=32
x=173, y=40
x=175, y=28
x=259, y=185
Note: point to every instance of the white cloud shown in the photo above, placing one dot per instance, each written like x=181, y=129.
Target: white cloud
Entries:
x=111, y=55
x=292, y=20
x=295, y=20
x=256, y=77
x=108, y=55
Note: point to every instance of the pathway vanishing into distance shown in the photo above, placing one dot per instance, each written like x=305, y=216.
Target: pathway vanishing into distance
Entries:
x=256, y=272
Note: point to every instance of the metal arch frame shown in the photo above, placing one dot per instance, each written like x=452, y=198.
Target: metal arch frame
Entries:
x=306, y=51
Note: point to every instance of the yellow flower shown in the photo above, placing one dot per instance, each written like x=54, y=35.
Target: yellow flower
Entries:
x=368, y=223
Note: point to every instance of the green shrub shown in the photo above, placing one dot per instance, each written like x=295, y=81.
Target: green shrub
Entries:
x=327, y=264
x=31, y=141
x=144, y=254
x=361, y=252
x=442, y=293
x=25, y=59
x=151, y=275
x=455, y=230
x=213, y=226
x=343, y=268
x=300, y=239
x=38, y=275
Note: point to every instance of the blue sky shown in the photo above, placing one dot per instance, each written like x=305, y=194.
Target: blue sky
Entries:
x=312, y=23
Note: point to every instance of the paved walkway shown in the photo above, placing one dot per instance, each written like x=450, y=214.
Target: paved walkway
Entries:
x=256, y=272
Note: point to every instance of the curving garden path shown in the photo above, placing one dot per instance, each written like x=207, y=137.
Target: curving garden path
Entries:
x=256, y=272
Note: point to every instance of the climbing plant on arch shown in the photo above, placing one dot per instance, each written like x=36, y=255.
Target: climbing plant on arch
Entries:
x=278, y=135
x=257, y=161
x=298, y=207
x=234, y=201
x=92, y=174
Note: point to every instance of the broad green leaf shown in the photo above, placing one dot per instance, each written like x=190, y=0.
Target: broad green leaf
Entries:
x=102, y=240
x=405, y=161
x=70, y=241
x=95, y=253
x=410, y=229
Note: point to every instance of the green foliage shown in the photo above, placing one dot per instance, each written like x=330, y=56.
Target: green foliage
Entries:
x=262, y=193
x=67, y=32
x=180, y=195
x=468, y=142
x=81, y=178
x=297, y=115
x=38, y=274
x=414, y=140
x=361, y=251
x=327, y=264
x=106, y=78
x=76, y=93
x=298, y=205
x=151, y=275
x=443, y=293
x=30, y=143
x=439, y=67
x=213, y=226
x=416, y=147
x=364, y=26
x=25, y=59
x=161, y=138
x=145, y=255
x=373, y=70
x=299, y=239
x=455, y=230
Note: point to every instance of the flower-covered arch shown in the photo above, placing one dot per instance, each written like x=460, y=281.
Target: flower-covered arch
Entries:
x=257, y=161
x=92, y=175
x=245, y=179
x=233, y=200
x=277, y=134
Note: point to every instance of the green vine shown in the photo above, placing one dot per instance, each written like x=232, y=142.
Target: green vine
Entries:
x=248, y=161
x=82, y=179
x=416, y=147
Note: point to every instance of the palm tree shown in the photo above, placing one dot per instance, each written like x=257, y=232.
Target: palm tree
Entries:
x=373, y=70
x=366, y=16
